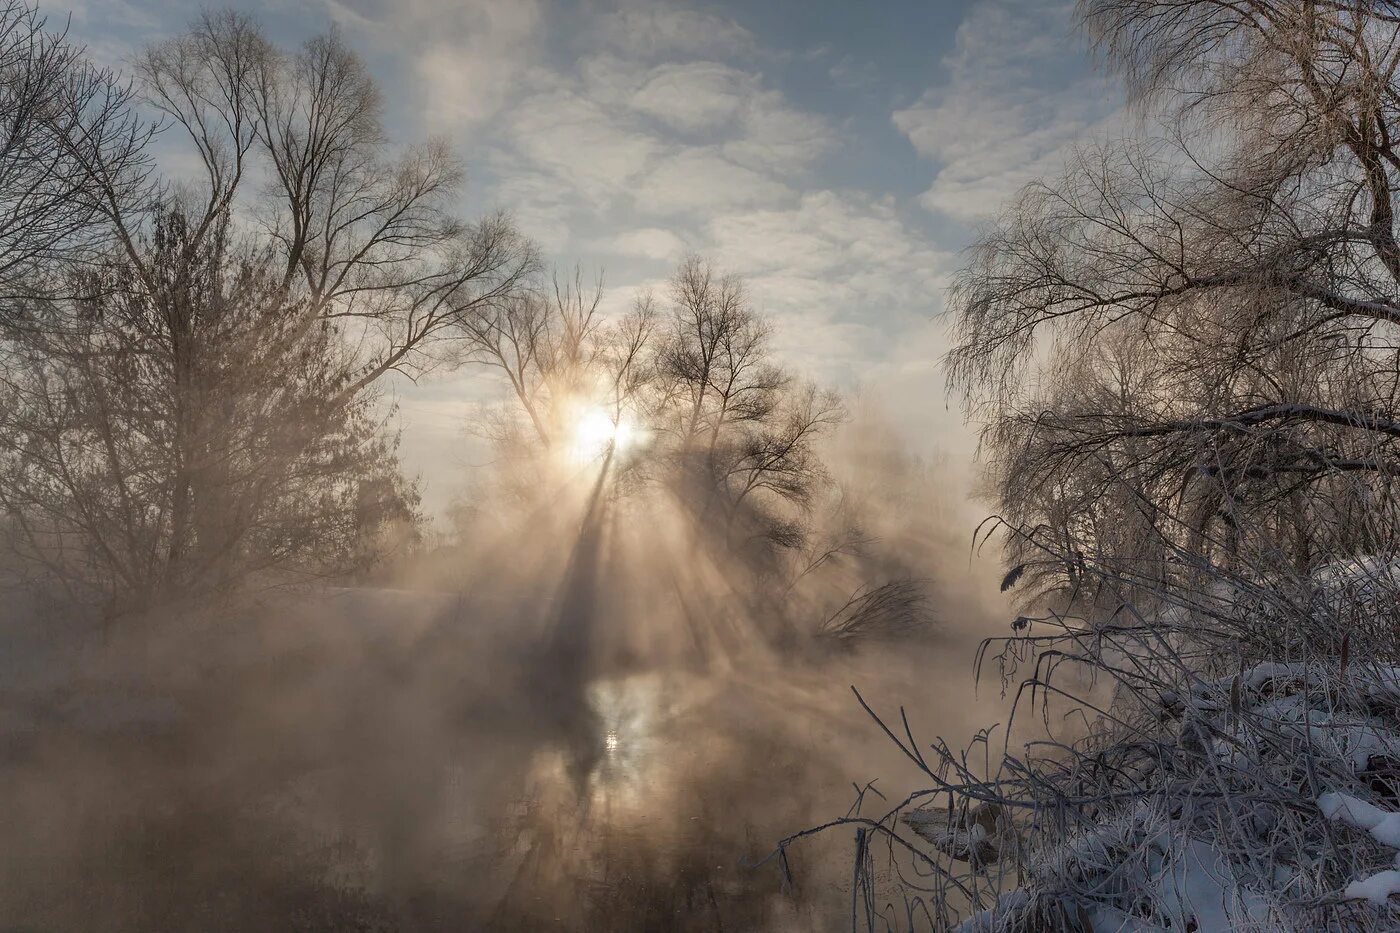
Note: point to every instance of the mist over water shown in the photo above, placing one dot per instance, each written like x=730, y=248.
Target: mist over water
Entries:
x=593, y=732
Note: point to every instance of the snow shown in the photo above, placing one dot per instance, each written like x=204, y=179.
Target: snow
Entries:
x=1213, y=839
x=1359, y=579
x=1170, y=879
x=1377, y=889
x=1351, y=738
x=1107, y=919
x=1009, y=907
x=1197, y=884
x=1383, y=825
x=1331, y=729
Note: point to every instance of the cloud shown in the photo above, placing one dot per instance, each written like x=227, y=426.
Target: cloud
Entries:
x=542, y=204
x=592, y=148
x=605, y=145
x=779, y=137
x=469, y=56
x=110, y=31
x=1016, y=98
x=824, y=232
x=704, y=102
x=854, y=74
x=652, y=30
x=702, y=180
x=694, y=96
x=648, y=243
x=679, y=138
x=842, y=272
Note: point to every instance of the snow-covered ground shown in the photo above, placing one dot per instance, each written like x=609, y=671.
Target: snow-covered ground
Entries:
x=1274, y=804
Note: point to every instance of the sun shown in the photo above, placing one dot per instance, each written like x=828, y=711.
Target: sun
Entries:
x=595, y=432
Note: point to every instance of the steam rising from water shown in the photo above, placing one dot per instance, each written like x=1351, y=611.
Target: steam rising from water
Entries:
x=597, y=733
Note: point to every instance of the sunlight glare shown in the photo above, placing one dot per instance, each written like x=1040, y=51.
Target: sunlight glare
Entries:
x=595, y=432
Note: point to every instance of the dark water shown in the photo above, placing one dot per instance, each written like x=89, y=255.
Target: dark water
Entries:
x=321, y=774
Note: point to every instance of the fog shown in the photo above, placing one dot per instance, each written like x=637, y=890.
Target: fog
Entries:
x=247, y=683
x=576, y=720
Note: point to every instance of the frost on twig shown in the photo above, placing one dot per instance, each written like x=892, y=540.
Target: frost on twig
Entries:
x=1198, y=790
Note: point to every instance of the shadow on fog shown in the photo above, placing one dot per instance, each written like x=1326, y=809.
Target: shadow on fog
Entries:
x=517, y=757
x=561, y=670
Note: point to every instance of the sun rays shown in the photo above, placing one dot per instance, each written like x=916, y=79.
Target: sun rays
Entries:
x=595, y=433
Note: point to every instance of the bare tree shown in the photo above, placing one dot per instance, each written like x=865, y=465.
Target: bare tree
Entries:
x=200, y=405
x=365, y=233
x=1186, y=357
x=63, y=120
x=161, y=444
x=629, y=371
x=1246, y=253
x=546, y=342
x=743, y=430
x=716, y=357
x=737, y=431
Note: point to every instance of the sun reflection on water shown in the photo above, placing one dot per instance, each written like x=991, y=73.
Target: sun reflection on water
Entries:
x=628, y=711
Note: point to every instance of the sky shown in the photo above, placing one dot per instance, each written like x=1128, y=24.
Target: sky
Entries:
x=838, y=155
